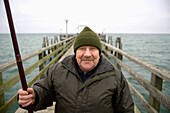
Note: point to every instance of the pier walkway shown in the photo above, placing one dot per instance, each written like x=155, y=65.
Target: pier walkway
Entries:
x=58, y=50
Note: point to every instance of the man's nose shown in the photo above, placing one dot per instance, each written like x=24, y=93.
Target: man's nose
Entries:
x=87, y=53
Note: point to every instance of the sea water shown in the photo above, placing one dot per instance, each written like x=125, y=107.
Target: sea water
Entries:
x=152, y=48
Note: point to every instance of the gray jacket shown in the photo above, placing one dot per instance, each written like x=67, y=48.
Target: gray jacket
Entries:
x=106, y=91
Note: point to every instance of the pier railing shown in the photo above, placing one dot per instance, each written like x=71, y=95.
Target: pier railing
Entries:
x=53, y=53
x=55, y=50
x=156, y=96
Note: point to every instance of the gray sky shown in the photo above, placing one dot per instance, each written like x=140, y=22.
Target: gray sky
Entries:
x=108, y=16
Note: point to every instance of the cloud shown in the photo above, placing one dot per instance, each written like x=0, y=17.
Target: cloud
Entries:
x=120, y=16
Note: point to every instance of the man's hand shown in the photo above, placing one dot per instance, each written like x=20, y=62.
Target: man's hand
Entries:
x=26, y=97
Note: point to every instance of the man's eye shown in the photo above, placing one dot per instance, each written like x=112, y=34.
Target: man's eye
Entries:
x=82, y=48
x=92, y=48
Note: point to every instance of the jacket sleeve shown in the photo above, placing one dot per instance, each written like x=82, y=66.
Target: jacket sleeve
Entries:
x=124, y=102
x=44, y=91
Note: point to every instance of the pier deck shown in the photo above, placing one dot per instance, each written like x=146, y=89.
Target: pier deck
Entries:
x=58, y=51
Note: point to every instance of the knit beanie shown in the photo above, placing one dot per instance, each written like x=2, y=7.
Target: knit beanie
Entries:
x=87, y=37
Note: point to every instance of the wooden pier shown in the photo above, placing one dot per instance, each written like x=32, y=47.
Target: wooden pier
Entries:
x=58, y=50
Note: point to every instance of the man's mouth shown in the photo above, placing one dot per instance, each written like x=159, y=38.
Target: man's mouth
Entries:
x=85, y=59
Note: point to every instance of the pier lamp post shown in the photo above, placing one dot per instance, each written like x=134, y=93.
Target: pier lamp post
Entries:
x=66, y=27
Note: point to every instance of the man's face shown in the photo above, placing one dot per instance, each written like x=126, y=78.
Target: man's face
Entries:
x=87, y=57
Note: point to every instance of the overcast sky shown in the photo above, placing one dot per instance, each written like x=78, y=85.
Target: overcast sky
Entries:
x=108, y=16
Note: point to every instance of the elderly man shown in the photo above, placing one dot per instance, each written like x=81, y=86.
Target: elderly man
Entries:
x=82, y=83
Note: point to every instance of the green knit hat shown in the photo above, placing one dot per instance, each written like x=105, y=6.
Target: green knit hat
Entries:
x=87, y=37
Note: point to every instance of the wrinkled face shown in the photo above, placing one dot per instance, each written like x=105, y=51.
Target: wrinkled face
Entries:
x=87, y=57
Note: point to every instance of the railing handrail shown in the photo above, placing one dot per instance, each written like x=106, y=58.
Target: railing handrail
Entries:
x=12, y=63
x=156, y=96
x=161, y=97
x=4, y=87
x=10, y=82
x=165, y=75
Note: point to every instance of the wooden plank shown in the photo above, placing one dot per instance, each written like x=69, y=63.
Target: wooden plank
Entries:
x=118, y=55
x=9, y=83
x=10, y=64
x=40, y=56
x=44, y=45
x=141, y=99
x=59, y=43
x=161, y=97
x=2, y=98
x=48, y=45
x=9, y=104
x=55, y=47
x=52, y=44
x=153, y=69
x=156, y=82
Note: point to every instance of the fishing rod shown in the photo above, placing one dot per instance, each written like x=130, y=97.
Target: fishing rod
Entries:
x=16, y=50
